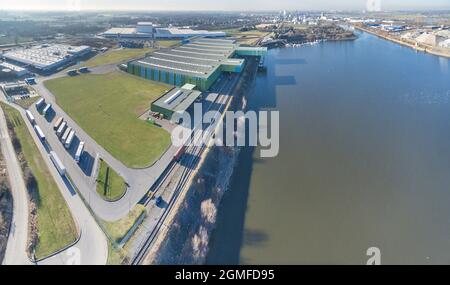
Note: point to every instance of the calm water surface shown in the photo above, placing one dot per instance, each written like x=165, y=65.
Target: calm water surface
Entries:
x=364, y=160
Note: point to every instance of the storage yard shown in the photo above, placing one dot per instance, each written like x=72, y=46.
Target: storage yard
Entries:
x=108, y=107
x=52, y=224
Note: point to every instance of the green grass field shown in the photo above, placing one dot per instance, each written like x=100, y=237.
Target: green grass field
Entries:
x=116, y=56
x=54, y=221
x=118, y=229
x=110, y=185
x=107, y=107
x=167, y=43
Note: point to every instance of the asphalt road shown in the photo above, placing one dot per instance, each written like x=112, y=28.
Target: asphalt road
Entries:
x=92, y=246
x=18, y=235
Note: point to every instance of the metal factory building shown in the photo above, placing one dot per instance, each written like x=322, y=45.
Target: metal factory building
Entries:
x=46, y=57
x=177, y=99
x=148, y=30
x=199, y=62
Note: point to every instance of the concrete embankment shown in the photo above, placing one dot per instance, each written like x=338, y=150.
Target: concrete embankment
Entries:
x=428, y=49
x=186, y=239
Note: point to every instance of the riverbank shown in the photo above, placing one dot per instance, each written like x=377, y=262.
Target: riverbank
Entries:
x=422, y=48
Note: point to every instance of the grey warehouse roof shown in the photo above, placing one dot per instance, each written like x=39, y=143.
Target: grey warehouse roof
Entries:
x=177, y=99
x=200, y=57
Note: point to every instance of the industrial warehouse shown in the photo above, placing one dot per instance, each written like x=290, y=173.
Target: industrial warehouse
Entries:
x=148, y=30
x=46, y=58
x=176, y=100
x=200, y=61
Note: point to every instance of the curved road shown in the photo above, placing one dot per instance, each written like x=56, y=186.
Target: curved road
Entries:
x=18, y=234
x=91, y=248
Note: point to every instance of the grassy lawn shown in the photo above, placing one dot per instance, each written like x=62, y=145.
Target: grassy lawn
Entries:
x=110, y=185
x=26, y=103
x=168, y=43
x=54, y=221
x=116, y=56
x=107, y=107
x=117, y=230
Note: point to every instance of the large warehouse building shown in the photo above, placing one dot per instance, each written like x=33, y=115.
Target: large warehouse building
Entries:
x=199, y=62
x=147, y=30
x=46, y=57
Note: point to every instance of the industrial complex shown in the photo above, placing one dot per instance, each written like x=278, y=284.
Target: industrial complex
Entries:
x=148, y=30
x=45, y=58
x=199, y=61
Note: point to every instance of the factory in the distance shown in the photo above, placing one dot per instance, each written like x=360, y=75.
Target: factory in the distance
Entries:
x=148, y=30
x=199, y=61
x=44, y=58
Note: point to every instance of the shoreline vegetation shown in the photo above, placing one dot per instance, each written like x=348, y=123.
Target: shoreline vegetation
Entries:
x=6, y=207
x=51, y=225
x=420, y=48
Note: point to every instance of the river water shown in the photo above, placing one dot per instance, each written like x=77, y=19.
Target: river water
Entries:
x=364, y=160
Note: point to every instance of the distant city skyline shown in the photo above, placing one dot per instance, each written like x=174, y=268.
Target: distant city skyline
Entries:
x=230, y=5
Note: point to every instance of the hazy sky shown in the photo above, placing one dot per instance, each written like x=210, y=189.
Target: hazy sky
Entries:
x=218, y=4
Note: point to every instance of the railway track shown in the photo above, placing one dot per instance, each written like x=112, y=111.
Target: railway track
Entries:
x=189, y=162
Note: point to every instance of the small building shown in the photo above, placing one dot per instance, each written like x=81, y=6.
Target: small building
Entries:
x=177, y=99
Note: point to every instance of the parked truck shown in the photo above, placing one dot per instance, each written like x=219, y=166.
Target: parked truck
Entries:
x=79, y=152
x=69, y=139
x=39, y=132
x=39, y=103
x=61, y=129
x=30, y=116
x=58, y=123
x=58, y=164
x=66, y=134
x=46, y=109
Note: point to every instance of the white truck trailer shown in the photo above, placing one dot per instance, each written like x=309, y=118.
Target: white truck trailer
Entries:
x=46, y=109
x=30, y=116
x=58, y=164
x=69, y=139
x=58, y=123
x=61, y=129
x=66, y=134
x=79, y=152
